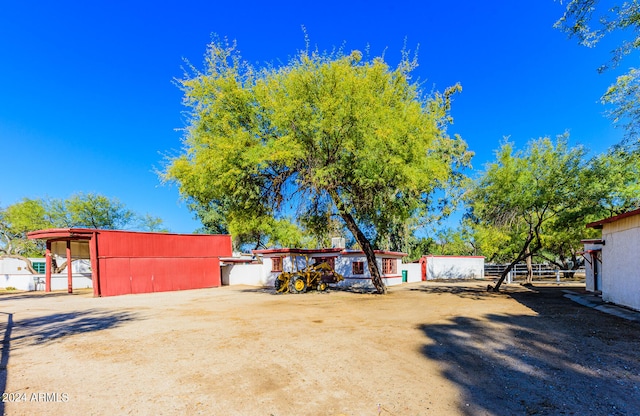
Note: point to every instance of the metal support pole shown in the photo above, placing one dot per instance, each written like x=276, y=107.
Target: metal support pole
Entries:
x=47, y=273
x=69, y=271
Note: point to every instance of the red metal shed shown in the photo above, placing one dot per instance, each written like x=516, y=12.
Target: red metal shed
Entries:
x=126, y=262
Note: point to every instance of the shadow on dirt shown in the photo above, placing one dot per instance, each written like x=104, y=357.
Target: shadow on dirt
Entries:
x=469, y=292
x=272, y=291
x=259, y=290
x=40, y=330
x=48, y=328
x=40, y=294
x=7, y=328
x=566, y=359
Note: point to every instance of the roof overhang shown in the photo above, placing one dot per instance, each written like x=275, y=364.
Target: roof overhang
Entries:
x=599, y=224
x=322, y=251
x=63, y=234
x=303, y=251
x=592, y=241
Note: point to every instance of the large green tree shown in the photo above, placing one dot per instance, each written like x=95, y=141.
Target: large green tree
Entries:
x=16, y=221
x=93, y=211
x=324, y=133
x=80, y=210
x=612, y=182
x=589, y=21
x=520, y=196
x=602, y=186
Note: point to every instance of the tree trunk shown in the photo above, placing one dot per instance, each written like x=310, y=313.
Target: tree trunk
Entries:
x=521, y=256
x=503, y=276
x=574, y=266
x=529, y=279
x=363, y=241
x=58, y=269
x=19, y=257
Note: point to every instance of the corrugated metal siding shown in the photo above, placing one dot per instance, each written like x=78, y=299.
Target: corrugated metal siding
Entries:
x=115, y=278
x=141, y=275
x=127, y=244
x=143, y=262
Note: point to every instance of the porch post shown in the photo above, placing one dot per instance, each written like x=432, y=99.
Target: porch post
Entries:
x=95, y=272
x=69, y=271
x=47, y=269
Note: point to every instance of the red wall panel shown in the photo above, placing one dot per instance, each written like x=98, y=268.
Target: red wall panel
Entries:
x=130, y=244
x=115, y=276
x=148, y=262
x=141, y=270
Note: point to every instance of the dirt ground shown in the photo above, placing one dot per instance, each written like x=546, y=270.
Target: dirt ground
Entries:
x=424, y=349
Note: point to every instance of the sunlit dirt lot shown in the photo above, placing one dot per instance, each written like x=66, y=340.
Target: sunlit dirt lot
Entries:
x=423, y=349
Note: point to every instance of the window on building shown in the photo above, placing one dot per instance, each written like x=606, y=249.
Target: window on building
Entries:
x=276, y=264
x=331, y=261
x=357, y=267
x=39, y=267
x=389, y=266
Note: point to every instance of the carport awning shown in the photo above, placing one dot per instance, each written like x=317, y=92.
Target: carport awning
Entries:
x=62, y=234
x=72, y=243
x=79, y=238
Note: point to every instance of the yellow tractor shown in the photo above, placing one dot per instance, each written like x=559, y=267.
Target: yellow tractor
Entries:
x=313, y=277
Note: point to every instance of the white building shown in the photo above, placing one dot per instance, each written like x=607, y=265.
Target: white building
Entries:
x=612, y=263
x=452, y=267
x=15, y=274
x=351, y=264
x=593, y=264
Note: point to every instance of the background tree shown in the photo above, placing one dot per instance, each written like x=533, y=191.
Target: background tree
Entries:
x=494, y=242
x=322, y=134
x=456, y=242
x=611, y=182
x=321, y=227
x=80, y=210
x=148, y=222
x=591, y=20
x=15, y=222
x=420, y=246
x=96, y=211
x=210, y=217
x=609, y=187
x=523, y=192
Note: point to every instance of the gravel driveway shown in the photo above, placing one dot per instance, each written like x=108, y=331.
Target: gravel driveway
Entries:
x=428, y=348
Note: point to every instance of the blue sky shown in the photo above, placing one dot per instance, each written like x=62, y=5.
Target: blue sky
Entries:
x=87, y=102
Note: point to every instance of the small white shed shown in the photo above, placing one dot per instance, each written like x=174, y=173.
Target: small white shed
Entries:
x=452, y=267
x=620, y=273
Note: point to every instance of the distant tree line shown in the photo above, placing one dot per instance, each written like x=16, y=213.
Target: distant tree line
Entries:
x=78, y=211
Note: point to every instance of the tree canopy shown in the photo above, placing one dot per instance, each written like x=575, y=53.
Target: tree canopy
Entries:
x=521, y=195
x=80, y=211
x=536, y=202
x=589, y=21
x=325, y=133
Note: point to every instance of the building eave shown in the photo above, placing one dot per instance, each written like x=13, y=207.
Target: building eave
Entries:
x=600, y=223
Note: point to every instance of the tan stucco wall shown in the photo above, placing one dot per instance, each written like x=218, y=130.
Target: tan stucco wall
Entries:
x=620, y=225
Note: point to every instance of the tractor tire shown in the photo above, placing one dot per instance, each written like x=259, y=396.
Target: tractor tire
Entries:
x=322, y=286
x=279, y=284
x=298, y=284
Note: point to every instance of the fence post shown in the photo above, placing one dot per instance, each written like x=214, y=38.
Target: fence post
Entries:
x=558, y=276
x=509, y=277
